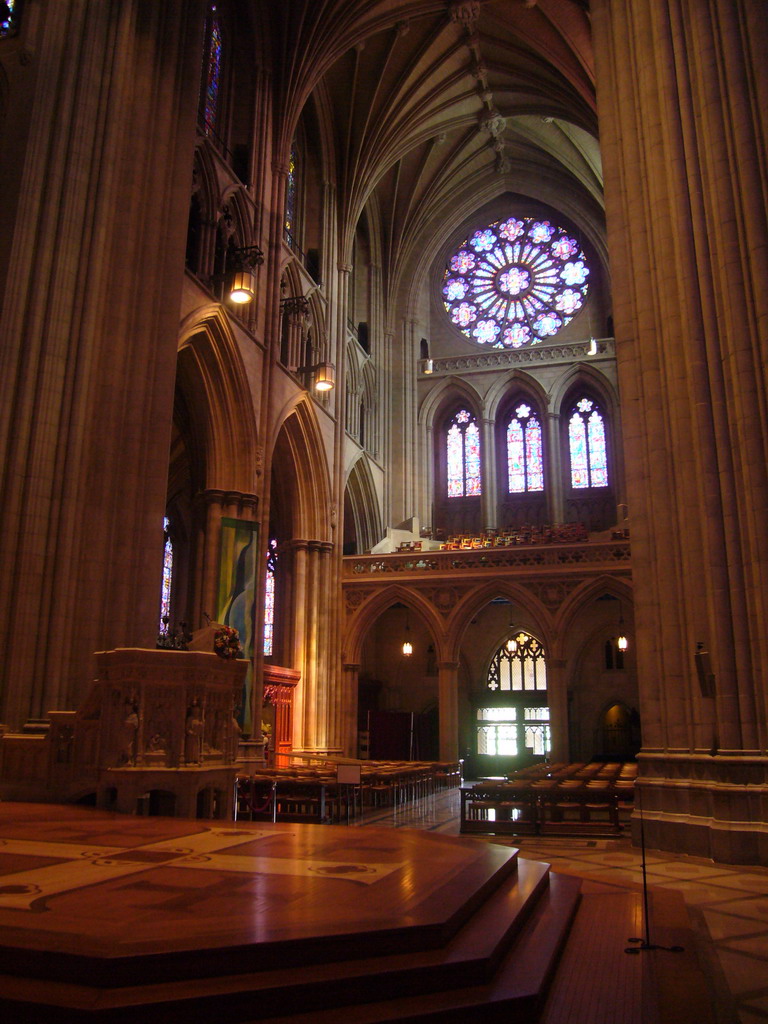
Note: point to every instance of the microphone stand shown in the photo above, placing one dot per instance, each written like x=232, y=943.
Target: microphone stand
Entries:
x=642, y=944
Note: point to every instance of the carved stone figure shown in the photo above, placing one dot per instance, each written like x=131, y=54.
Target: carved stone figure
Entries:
x=129, y=731
x=193, y=734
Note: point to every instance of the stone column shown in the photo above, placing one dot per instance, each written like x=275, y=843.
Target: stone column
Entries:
x=557, y=698
x=683, y=105
x=554, y=468
x=90, y=288
x=348, y=709
x=489, y=498
x=294, y=602
x=448, y=695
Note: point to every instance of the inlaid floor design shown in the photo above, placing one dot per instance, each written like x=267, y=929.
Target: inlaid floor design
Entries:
x=728, y=905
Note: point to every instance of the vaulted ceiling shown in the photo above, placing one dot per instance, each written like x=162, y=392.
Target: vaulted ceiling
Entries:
x=433, y=109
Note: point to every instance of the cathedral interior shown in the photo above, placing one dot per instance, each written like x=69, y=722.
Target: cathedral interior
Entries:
x=359, y=323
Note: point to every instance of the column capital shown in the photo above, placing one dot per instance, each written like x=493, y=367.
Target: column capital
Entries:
x=215, y=496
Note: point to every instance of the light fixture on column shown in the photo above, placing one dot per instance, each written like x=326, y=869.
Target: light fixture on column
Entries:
x=427, y=365
x=325, y=376
x=241, y=264
x=621, y=640
x=407, y=645
x=242, y=288
x=511, y=643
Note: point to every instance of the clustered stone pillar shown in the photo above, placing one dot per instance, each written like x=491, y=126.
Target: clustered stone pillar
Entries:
x=682, y=129
x=309, y=646
x=90, y=283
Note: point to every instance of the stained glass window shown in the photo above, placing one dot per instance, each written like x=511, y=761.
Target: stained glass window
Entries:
x=525, y=463
x=463, y=456
x=9, y=18
x=165, y=592
x=519, y=670
x=212, y=71
x=291, y=191
x=515, y=282
x=586, y=440
x=518, y=720
x=269, y=599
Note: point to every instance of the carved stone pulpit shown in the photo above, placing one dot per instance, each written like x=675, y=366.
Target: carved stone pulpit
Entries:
x=166, y=709
x=167, y=731
x=156, y=735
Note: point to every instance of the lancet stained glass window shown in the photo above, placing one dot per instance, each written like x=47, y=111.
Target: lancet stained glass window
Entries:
x=212, y=71
x=525, y=464
x=586, y=442
x=9, y=18
x=463, y=456
x=165, y=591
x=269, y=599
x=291, y=191
x=515, y=282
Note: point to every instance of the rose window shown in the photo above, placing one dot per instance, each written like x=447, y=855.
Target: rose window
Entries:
x=515, y=283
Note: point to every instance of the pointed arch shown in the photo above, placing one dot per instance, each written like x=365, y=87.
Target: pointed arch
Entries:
x=203, y=204
x=538, y=618
x=507, y=383
x=582, y=597
x=584, y=375
x=300, y=473
x=362, y=504
x=444, y=393
x=212, y=379
x=591, y=462
x=364, y=618
x=236, y=201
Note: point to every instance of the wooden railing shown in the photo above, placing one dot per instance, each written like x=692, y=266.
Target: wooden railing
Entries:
x=564, y=799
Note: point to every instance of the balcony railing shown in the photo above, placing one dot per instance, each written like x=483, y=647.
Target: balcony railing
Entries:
x=549, y=558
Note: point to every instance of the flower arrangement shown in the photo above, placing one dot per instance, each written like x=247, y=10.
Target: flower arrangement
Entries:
x=226, y=642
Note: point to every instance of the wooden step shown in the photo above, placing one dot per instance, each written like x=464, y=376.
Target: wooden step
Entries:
x=475, y=967
x=513, y=996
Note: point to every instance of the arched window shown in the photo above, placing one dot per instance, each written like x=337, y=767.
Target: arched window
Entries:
x=269, y=599
x=167, y=585
x=525, y=464
x=515, y=719
x=586, y=443
x=462, y=449
x=209, y=101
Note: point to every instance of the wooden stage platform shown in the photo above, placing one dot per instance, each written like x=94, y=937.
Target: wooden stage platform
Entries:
x=108, y=918
x=111, y=919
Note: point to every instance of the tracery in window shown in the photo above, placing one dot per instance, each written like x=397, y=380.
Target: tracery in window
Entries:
x=586, y=443
x=525, y=463
x=520, y=670
x=517, y=718
x=463, y=456
x=269, y=599
x=165, y=590
x=212, y=71
x=515, y=282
